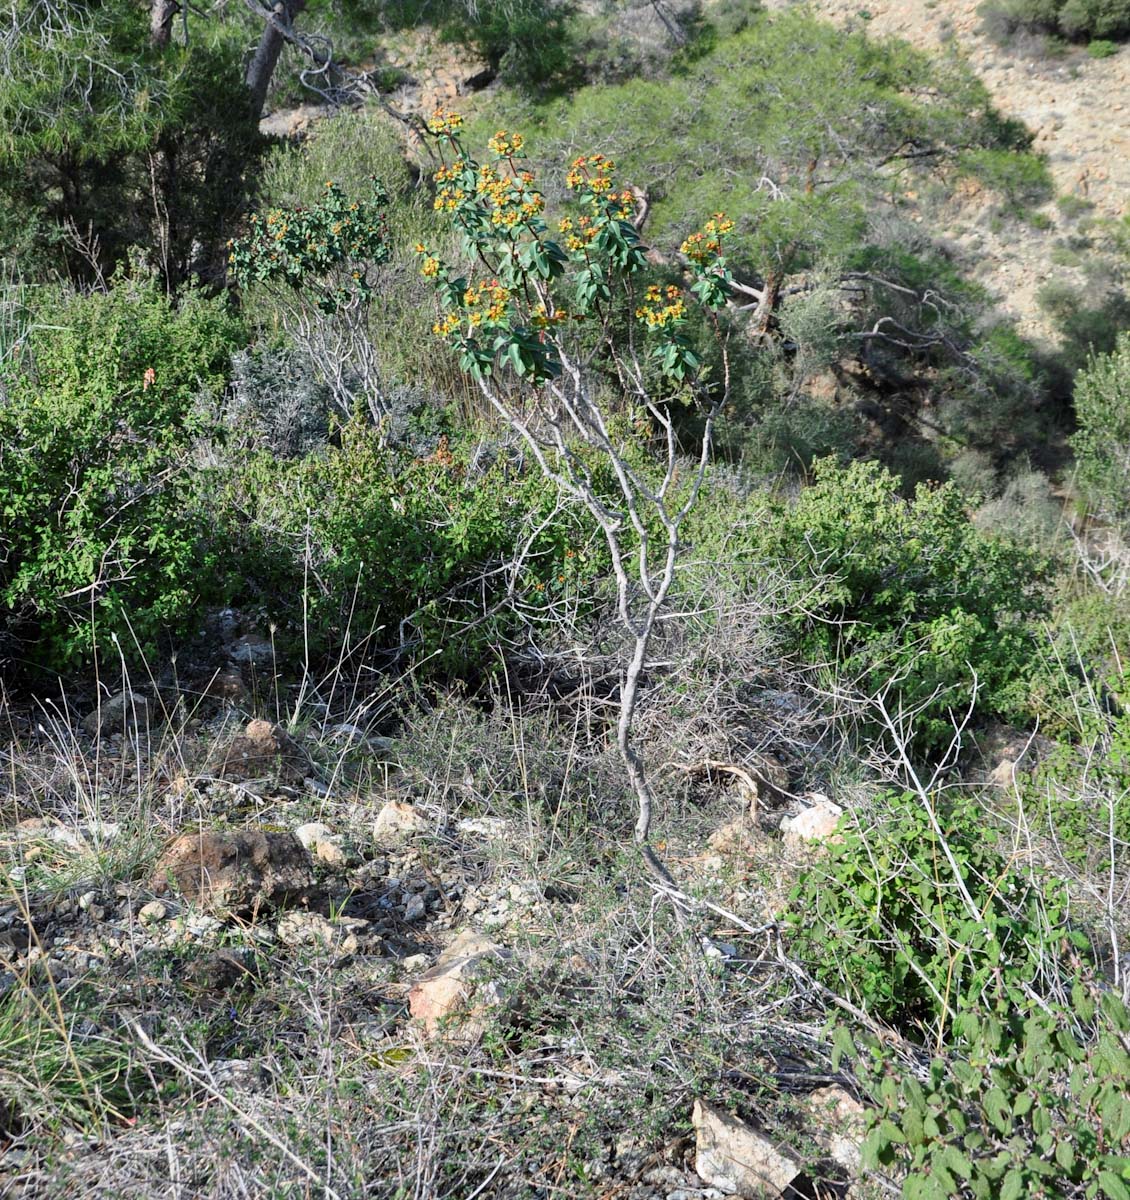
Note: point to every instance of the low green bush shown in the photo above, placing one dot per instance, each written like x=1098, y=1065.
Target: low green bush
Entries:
x=1034, y=1103
x=1078, y=20
x=914, y=923
x=1102, y=443
x=101, y=525
x=440, y=557
x=912, y=600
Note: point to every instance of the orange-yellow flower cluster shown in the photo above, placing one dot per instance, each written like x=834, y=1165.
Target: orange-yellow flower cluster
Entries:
x=444, y=121
x=581, y=232
x=662, y=306
x=706, y=245
x=591, y=171
x=444, y=174
x=505, y=145
x=449, y=199
x=447, y=326
x=513, y=198
x=487, y=301
x=541, y=319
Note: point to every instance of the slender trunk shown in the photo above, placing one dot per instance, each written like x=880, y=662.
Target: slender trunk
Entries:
x=161, y=14
x=263, y=62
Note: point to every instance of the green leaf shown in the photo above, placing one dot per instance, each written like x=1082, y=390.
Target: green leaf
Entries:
x=1013, y=1186
x=1113, y=1187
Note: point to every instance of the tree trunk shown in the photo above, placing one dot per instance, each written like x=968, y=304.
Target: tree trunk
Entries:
x=161, y=14
x=266, y=56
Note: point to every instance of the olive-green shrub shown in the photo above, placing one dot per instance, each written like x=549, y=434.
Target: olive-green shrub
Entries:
x=102, y=523
x=1102, y=443
x=910, y=599
x=439, y=557
x=914, y=923
x=1031, y=1104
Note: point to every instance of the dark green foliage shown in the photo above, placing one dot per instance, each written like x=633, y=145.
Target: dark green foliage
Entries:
x=1102, y=443
x=328, y=247
x=1078, y=20
x=881, y=918
x=131, y=145
x=435, y=557
x=1033, y=1103
x=797, y=103
x=99, y=528
x=913, y=601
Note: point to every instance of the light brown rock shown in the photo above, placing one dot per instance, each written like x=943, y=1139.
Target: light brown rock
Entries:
x=239, y=872
x=816, y=823
x=397, y=822
x=263, y=750
x=323, y=844
x=735, y=837
x=455, y=995
x=843, y=1122
x=736, y=1159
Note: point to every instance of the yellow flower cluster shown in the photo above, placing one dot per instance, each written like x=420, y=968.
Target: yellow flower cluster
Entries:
x=429, y=268
x=449, y=199
x=447, y=326
x=541, y=319
x=505, y=145
x=593, y=171
x=486, y=301
x=702, y=247
x=445, y=174
x=513, y=197
x=662, y=306
x=444, y=121
x=581, y=232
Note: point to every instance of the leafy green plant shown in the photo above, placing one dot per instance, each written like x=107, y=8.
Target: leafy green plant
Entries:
x=1102, y=443
x=434, y=558
x=1079, y=20
x=1035, y=1102
x=102, y=527
x=328, y=247
x=919, y=915
x=914, y=600
x=59, y=1067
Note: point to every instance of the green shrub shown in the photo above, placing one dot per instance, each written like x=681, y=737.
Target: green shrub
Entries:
x=913, y=601
x=1079, y=20
x=102, y=527
x=418, y=557
x=141, y=149
x=1101, y=48
x=1034, y=1104
x=881, y=918
x=1102, y=443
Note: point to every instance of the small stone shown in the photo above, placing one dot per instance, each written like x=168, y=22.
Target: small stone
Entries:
x=306, y=929
x=397, y=822
x=414, y=963
x=735, y=1158
x=86, y=900
x=844, y=1120
x=453, y=994
x=262, y=750
x=252, y=650
x=320, y=840
x=152, y=913
x=123, y=713
x=816, y=823
x=240, y=872
x=415, y=909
